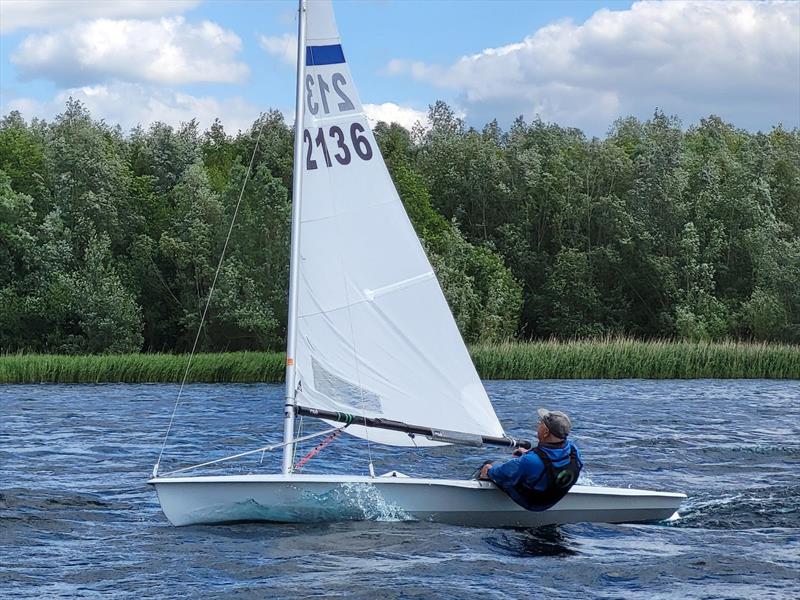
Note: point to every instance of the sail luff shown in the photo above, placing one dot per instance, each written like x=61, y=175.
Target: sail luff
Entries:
x=294, y=260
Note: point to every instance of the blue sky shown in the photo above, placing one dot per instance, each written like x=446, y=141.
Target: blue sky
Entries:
x=576, y=63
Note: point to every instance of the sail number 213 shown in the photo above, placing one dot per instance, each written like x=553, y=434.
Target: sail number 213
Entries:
x=320, y=90
x=341, y=145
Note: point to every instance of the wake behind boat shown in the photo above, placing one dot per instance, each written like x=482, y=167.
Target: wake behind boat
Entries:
x=372, y=347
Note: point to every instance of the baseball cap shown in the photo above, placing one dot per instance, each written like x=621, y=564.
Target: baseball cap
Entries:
x=557, y=422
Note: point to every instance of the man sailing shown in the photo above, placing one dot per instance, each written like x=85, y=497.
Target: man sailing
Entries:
x=538, y=478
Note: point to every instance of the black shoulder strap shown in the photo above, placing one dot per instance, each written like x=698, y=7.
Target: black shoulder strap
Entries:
x=548, y=465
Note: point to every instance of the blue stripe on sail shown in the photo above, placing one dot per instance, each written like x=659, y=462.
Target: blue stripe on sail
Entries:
x=324, y=55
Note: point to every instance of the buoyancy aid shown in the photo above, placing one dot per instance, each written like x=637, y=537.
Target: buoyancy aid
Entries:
x=559, y=481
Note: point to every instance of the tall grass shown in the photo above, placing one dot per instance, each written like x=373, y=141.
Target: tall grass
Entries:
x=234, y=367
x=626, y=358
x=590, y=359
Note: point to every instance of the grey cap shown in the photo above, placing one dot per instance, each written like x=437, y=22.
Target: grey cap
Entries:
x=557, y=422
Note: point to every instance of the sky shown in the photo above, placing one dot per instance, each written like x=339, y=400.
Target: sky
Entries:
x=579, y=63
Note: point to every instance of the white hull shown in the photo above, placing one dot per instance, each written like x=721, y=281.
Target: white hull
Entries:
x=325, y=498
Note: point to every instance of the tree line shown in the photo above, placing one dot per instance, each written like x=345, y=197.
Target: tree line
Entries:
x=109, y=241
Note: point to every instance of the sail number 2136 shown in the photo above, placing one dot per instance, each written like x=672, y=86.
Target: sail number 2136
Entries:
x=342, y=145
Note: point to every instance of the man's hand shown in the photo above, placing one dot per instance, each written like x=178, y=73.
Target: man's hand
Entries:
x=485, y=471
x=520, y=452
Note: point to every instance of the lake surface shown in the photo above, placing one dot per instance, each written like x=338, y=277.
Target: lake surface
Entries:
x=78, y=520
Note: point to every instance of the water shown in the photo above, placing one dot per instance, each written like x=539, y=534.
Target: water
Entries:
x=77, y=519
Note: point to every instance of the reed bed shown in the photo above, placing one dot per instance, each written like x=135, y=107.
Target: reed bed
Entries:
x=632, y=359
x=227, y=367
x=588, y=359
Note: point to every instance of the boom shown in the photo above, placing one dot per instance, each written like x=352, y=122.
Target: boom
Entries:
x=431, y=433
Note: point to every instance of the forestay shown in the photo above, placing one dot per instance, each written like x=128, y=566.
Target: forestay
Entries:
x=375, y=336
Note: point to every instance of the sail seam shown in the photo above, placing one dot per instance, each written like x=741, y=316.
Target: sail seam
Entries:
x=347, y=212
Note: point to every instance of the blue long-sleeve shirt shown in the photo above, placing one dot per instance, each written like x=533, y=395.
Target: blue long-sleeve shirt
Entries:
x=529, y=470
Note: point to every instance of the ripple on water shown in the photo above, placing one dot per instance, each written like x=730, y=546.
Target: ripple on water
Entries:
x=77, y=519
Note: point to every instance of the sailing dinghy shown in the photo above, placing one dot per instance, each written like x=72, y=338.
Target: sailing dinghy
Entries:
x=372, y=346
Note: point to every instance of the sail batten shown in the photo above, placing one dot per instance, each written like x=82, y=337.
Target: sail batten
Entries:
x=375, y=334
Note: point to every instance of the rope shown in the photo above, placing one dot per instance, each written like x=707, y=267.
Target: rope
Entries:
x=298, y=432
x=208, y=302
x=301, y=463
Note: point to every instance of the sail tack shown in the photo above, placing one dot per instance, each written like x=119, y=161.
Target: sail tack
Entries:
x=375, y=336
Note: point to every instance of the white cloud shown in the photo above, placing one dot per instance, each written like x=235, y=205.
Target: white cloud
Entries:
x=740, y=60
x=131, y=104
x=394, y=113
x=166, y=50
x=45, y=14
x=283, y=46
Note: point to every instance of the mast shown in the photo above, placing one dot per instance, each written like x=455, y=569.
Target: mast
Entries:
x=294, y=260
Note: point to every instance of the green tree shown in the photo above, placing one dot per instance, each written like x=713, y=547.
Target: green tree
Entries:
x=251, y=306
x=765, y=316
x=22, y=154
x=189, y=249
x=573, y=300
x=164, y=153
x=109, y=317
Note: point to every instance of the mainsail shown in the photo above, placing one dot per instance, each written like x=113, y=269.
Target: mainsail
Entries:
x=375, y=336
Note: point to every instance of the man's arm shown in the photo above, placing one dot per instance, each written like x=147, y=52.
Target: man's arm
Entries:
x=507, y=474
x=484, y=474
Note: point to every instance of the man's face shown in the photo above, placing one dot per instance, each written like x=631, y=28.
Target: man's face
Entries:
x=542, y=431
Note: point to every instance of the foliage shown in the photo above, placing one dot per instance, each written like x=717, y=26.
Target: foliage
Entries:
x=109, y=242
x=653, y=232
x=110, y=320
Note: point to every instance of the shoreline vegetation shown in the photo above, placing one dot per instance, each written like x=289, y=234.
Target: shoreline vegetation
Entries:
x=587, y=359
x=110, y=240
